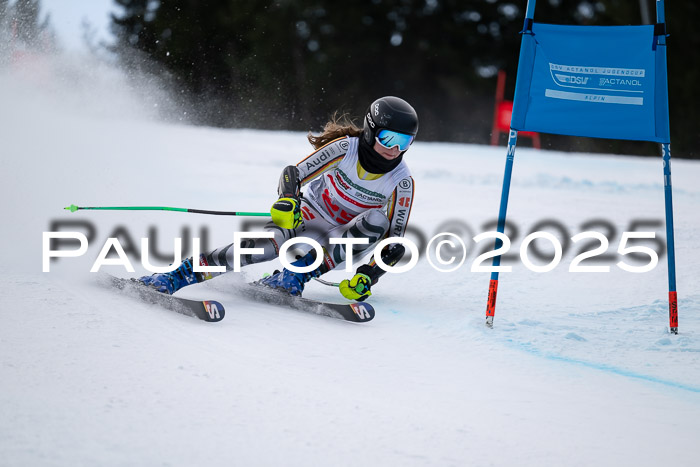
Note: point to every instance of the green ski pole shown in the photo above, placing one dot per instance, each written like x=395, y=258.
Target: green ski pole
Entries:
x=73, y=208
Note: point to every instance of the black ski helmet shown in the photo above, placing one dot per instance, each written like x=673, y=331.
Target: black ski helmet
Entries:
x=392, y=113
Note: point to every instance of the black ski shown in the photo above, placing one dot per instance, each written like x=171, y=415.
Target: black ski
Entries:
x=355, y=312
x=207, y=310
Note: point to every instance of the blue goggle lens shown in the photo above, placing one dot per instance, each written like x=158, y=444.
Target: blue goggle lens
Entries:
x=389, y=139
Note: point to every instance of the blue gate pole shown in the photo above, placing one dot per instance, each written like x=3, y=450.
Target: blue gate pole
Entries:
x=670, y=244
x=512, y=140
x=668, y=191
x=493, y=283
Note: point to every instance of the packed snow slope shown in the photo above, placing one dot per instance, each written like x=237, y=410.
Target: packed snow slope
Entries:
x=578, y=370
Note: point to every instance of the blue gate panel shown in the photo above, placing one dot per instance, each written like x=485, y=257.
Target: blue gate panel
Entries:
x=595, y=81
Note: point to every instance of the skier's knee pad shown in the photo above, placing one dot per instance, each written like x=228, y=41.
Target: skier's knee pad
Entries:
x=377, y=219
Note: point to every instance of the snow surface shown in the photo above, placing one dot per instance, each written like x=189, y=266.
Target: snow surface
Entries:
x=578, y=370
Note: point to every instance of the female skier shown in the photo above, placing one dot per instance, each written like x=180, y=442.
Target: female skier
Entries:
x=358, y=186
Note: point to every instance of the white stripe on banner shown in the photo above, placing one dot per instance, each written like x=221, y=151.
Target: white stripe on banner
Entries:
x=596, y=70
x=604, y=98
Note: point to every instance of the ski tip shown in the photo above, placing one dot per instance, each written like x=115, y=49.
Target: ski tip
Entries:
x=71, y=208
x=215, y=311
x=363, y=312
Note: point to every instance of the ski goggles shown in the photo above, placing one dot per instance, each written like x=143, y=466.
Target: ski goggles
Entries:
x=390, y=139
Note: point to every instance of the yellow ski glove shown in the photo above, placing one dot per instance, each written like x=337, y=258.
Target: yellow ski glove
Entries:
x=286, y=213
x=357, y=288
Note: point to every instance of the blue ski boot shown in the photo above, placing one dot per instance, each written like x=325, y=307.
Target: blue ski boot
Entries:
x=293, y=282
x=171, y=282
